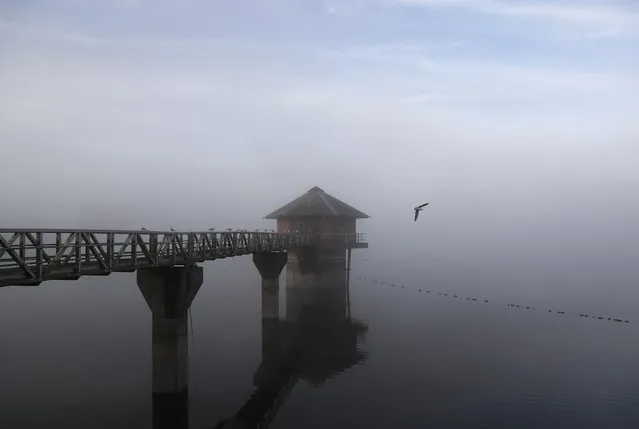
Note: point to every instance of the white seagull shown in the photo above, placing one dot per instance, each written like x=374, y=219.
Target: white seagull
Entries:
x=418, y=209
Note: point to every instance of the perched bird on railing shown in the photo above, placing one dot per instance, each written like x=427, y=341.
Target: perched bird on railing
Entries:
x=143, y=228
x=211, y=229
x=171, y=228
x=418, y=209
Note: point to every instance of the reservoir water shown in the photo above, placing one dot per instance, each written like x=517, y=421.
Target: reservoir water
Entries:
x=417, y=351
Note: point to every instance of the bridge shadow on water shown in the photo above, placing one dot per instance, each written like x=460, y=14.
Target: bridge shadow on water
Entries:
x=315, y=341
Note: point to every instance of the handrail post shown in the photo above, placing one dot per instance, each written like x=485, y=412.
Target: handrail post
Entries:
x=77, y=254
x=110, y=250
x=190, y=247
x=22, y=251
x=39, y=245
x=87, y=252
x=58, y=242
x=153, y=248
x=134, y=249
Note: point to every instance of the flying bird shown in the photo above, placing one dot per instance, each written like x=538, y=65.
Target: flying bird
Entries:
x=418, y=209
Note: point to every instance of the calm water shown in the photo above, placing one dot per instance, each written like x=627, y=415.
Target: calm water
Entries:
x=78, y=354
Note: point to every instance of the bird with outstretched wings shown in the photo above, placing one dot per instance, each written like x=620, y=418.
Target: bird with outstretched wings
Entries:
x=418, y=209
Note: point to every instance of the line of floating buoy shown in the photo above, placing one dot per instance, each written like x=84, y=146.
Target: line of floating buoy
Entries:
x=516, y=306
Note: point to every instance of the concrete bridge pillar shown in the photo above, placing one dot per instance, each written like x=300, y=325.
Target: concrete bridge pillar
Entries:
x=169, y=292
x=270, y=265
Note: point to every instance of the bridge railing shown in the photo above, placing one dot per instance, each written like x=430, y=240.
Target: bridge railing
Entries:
x=31, y=256
x=347, y=238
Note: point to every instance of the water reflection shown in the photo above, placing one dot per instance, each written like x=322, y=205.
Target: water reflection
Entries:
x=315, y=341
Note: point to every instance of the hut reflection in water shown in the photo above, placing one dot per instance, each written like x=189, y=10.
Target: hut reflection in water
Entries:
x=315, y=341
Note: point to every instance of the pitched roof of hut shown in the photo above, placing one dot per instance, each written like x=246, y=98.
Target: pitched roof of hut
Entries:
x=316, y=202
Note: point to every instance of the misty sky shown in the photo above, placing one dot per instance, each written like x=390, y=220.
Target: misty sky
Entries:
x=515, y=119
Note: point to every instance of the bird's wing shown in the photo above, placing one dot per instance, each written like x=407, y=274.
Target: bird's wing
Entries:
x=416, y=214
x=423, y=205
